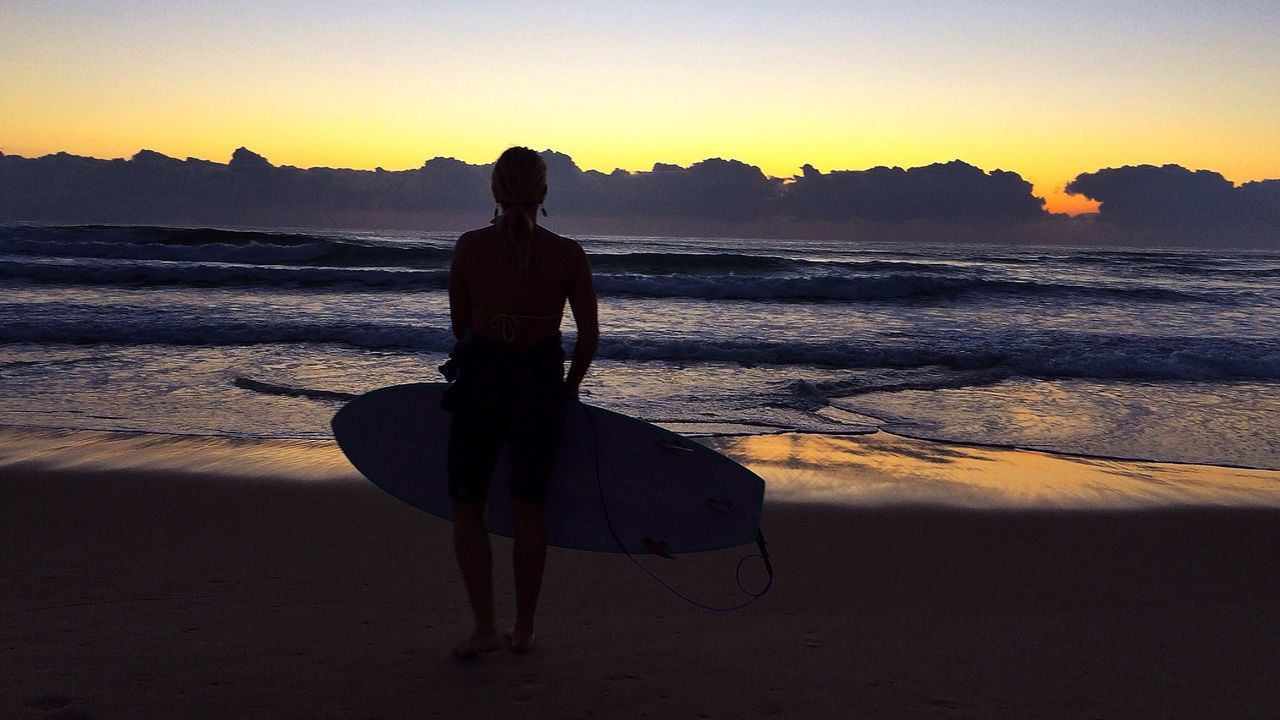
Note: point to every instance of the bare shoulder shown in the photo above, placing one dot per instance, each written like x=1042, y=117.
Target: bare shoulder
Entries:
x=565, y=247
x=468, y=240
x=471, y=237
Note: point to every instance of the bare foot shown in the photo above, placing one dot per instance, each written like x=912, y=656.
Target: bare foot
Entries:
x=519, y=641
x=481, y=642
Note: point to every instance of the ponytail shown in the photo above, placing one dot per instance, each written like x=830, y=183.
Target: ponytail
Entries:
x=515, y=225
x=519, y=184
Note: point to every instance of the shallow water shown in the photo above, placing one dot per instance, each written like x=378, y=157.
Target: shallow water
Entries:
x=1156, y=354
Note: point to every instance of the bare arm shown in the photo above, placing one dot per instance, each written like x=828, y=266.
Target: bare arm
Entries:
x=459, y=298
x=582, y=301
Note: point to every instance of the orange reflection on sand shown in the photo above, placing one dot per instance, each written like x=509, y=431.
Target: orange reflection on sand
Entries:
x=877, y=469
x=886, y=469
x=89, y=450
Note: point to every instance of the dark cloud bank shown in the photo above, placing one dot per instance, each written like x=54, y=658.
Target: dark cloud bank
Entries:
x=954, y=201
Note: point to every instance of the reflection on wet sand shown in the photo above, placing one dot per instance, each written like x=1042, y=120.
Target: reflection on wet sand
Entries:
x=876, y=469
x=204, y=455
x=888, y=469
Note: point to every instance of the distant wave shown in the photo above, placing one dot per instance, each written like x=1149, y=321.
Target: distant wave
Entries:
x=318, y=253
x=968, y=361
x=667, y=264
x=323, y=252
x=218, y=246
x=820, y=288
x=219, y=275
x=204, y=257
x=169, y=331
x=149, y=234
x=260, y=248
x=888, y=286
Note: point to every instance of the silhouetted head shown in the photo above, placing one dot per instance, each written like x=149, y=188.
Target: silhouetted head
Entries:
x=519, y=178
x=519, y=184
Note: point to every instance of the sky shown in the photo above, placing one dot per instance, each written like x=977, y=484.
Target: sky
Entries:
x=1046, y=89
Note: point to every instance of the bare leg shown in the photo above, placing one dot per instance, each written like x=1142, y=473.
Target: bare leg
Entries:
x=475, y=560
x=529, y=558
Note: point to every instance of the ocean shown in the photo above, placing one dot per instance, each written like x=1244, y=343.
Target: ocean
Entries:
x=1152, y=354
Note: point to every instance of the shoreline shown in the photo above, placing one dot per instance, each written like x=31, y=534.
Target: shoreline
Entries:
x=878, y=469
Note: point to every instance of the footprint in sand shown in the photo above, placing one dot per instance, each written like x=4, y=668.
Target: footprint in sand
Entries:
x=48, y=702
x=525, y=689
x=58, y=707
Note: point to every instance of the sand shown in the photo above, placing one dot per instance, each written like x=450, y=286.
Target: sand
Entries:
x=149, y=577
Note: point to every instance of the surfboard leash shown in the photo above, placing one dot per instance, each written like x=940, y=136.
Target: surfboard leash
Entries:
x=763, y=546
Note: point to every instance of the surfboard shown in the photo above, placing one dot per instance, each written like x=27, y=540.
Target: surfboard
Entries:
x=619, y=483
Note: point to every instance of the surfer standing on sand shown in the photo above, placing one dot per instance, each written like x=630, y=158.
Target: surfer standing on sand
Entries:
x=507, y=289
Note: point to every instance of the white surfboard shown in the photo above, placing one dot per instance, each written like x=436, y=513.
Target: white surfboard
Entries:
x=619, y=483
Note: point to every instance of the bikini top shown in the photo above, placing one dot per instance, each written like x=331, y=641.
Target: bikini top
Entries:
x=508, y=323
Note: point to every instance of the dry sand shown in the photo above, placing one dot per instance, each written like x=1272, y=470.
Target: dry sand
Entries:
x=132, y=586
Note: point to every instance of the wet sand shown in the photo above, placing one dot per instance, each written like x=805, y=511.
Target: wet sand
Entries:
x=203, y=578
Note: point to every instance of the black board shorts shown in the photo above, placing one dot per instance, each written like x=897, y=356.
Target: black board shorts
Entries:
x=504, y=395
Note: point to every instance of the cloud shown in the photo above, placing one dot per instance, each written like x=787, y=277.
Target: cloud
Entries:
x=712, y=189
x=943, y=192
x=1260, y=201
x=1178, y=199
x=249, y=188
x=944, y=201
x=242, y=159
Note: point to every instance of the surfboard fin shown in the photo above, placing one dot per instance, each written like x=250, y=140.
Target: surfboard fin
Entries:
x=671, y=445
x=658, y=547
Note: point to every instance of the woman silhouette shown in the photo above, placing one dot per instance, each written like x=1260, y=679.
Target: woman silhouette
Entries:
x=507, y=289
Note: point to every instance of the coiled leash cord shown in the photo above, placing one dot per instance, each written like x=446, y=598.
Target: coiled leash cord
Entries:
x=763, y=554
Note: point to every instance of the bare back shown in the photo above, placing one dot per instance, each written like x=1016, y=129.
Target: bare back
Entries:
x=489, y=296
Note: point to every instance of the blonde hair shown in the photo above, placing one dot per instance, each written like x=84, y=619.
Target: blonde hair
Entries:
x=519, y=184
